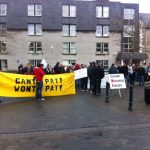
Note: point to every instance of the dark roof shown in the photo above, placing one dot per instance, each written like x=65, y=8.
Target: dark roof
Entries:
x=128, y=55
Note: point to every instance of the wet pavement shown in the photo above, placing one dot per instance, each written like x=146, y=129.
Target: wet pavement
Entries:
x=76, y=122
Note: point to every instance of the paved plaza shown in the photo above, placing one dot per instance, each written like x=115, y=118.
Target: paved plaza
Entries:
x=76, y=122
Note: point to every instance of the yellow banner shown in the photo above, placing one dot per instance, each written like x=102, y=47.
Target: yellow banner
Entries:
x=16, y=85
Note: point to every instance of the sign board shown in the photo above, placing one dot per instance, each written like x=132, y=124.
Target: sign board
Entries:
x=44, y=63
x=81, y=73
x=104, y=80
x=117, y=81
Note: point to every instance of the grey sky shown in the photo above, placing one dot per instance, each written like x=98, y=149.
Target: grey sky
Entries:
x=144, y=5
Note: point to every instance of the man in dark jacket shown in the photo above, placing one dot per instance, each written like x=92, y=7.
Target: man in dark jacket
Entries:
x=98, y=73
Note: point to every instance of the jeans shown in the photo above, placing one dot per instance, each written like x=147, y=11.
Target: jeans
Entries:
x=141, y=80
x=39, y=86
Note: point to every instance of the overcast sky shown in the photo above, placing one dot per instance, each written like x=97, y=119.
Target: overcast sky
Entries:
x=144, y=5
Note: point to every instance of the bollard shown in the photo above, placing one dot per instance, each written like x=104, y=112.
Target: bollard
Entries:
x=107, y=92
x=130, y=98
x=0, y=100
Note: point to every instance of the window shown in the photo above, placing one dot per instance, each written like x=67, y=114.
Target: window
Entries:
x=127, y=44
x=35, y=47
x=102, y=48
x=102, y=12
x=129, y=14
x=34, y=10
x=34, y=62
x=2, y=28
x=3, y=65
x=69, y=48
x=69, y=30
x=68, y=62
x=3, y=9
x=102, y=30
x=34, y=29
x=3, y=46
x=69, y=11
x=128, y=31
x=103, y=63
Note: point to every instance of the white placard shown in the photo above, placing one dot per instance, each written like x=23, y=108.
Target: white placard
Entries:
x=117, y=81
x=44, y=63
x=81, y=73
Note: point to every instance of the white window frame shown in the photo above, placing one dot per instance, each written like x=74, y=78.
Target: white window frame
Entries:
x=69, y=11
x=129, y=13
x=35, y=10
x=69, y=30
x=34, y=48
x=34, y=29
x=128, y=30
x=69, y=48
x=102, y=31
x=102, y=12
x=3, y=9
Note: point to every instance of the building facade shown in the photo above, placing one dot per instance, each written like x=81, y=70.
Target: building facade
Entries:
x=145, y=34
x=68, y=31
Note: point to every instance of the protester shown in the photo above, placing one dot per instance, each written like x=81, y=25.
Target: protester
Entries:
x=69, y=69
x=78, y=81
x=84, y=81
x=89, y=72
x=47, y=70
x=131, y=74
x=28, y=69
x=20, y=69
x=39, y=74
x=98, y=73
x=113, y=69
x=141, y=73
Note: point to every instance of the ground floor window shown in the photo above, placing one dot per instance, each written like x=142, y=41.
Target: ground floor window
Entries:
x=104, y=64
x=34, y=62
x=68, y=62
x=3, y=65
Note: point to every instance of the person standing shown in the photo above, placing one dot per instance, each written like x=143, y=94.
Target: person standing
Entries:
x=39, y=74
x=98, y=71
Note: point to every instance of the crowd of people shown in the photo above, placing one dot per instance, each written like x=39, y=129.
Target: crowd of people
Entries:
x=95, y=72
x=139, y=73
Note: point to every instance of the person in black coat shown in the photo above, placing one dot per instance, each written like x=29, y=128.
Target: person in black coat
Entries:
x=98, y=73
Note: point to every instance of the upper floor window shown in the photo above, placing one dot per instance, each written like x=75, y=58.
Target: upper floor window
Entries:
x=69, y=48
x=35, y=47
x=34, y=29
x=102, y=30
x=69, y=30
x=3, y=9
x=102, y=12
x=102, y=48
x=3, y=45
x=129, y=13
x=68, y=11
x=34, y=10
x=128, y=31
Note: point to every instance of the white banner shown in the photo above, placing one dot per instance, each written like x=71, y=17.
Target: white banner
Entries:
x=117, y=81
x=81, y=73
